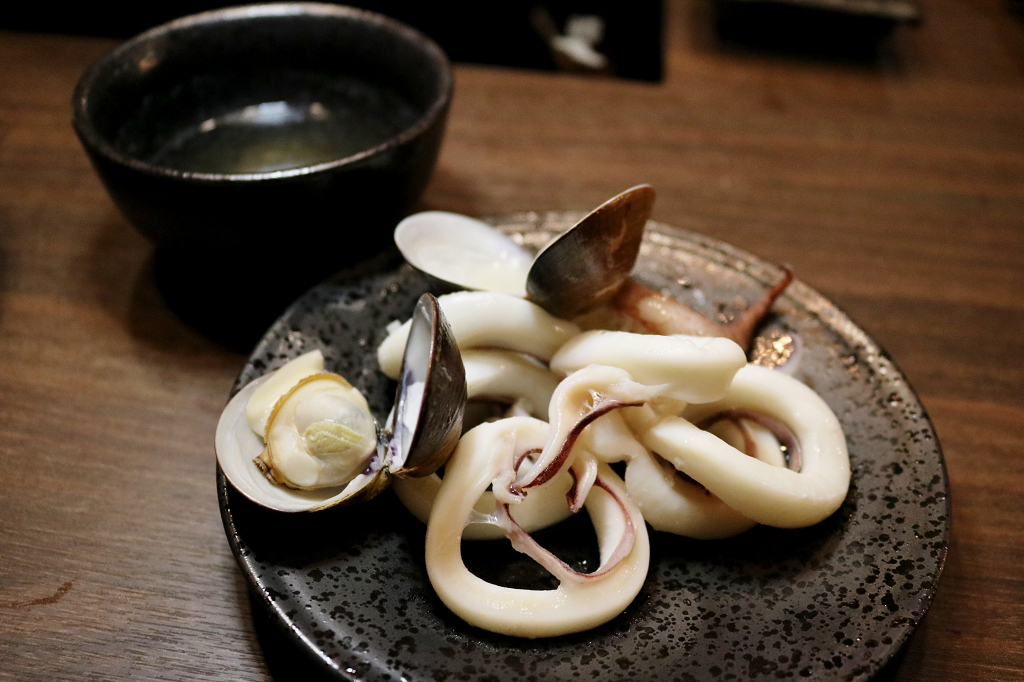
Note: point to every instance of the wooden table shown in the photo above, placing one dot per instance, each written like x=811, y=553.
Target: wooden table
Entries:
x=895, y=186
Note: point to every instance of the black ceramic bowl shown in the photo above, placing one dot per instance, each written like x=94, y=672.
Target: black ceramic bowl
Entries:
x=267, y=127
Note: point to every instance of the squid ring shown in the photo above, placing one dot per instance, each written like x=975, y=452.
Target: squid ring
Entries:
x=487, y=319
x=503, y=375
x=574, y=403
x=581, y=601
x=545, y=506
x=674, y=505
x=764, y=493
x=694, y=369
x=668, y=501
x=581, y=398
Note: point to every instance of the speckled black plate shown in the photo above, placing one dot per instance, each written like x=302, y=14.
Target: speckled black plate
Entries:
x=832, y=602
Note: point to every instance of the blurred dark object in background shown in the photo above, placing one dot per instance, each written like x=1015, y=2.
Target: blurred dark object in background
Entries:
x=499, y=33
x=837, y=29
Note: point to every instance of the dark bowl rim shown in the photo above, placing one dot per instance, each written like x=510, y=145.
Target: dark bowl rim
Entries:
x=98, y=144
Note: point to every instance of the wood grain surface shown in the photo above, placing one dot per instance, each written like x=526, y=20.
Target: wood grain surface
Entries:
x=893, y=184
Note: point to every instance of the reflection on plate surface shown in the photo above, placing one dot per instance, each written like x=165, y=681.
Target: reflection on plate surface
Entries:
x=831, y=602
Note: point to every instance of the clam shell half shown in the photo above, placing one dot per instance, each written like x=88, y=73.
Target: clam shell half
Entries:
x=463, y=251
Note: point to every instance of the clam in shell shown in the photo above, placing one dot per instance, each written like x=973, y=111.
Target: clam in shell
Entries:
x=301, y=439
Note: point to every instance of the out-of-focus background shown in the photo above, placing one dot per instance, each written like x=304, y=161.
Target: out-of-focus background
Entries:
x=511, y=33
x=530, y=34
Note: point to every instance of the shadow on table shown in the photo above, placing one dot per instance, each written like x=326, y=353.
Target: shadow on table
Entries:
x=228, y=298
x=233, y=298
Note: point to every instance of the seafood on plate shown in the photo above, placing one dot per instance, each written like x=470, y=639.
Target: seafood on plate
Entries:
x=302, y=439
x=709, y=443
x=590, y=369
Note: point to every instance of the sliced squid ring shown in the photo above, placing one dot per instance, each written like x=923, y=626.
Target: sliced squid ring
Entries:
x=508, y=376
x=763, y=493
x=545, y=506
x=581, y=601
x=581, y=398
x=676, y=504
x=673, y=504
x=668, y=501
x=694, y=369
x=502, y=375
x=484, y=319
x=611, y=440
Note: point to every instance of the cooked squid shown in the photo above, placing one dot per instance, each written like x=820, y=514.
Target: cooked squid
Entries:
x=809, y=492
x=490, y=320
x=506, y=377
x=581, y=601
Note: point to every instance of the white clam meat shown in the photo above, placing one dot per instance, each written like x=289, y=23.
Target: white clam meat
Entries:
x=319, y=434
x=309, y=420
x=263, y=400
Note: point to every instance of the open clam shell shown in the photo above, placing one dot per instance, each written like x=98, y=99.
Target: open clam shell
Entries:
x=463, y=251
x=576, y=272
x=430, y=400
x=431, y=397
x=587, y=264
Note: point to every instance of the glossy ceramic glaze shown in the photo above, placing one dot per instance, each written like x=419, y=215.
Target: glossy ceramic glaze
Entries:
x=280, y=126
x=832, y=602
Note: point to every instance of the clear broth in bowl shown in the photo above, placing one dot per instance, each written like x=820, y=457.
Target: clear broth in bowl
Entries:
x=297, y=119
